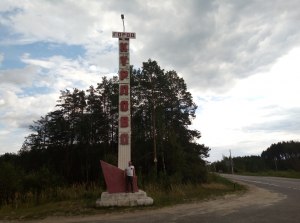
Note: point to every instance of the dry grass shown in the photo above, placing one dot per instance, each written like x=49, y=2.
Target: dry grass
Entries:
x=80, y=199
x=215, y=186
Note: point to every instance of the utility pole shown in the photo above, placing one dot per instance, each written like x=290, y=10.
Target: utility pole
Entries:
x=231, y=163
x=154, y=123
x=275, y=160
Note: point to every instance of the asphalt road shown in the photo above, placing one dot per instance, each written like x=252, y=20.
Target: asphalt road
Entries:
x=286, y=210
x=269, y=199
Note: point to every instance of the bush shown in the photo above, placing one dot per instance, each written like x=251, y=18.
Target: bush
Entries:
x=39, y=181
x=9, y=183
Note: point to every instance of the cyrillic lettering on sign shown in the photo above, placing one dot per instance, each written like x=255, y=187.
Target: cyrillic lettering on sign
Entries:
x=123, y=47
x=124, y=122
x=124, y=139
x=123, y=35
x=124, y=106
x=123, y=60
x=123, y=89
x=123, y=74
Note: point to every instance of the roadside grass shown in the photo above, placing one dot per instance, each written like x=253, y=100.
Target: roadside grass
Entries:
x=80, y=199
x=272, y=173
x=184, y=193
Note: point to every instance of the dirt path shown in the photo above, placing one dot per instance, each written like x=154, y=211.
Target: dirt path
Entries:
x=223, y=205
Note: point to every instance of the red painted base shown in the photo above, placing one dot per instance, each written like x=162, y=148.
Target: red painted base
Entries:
x=115, y=179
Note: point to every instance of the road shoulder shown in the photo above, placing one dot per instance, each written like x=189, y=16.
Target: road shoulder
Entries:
x=222, y=205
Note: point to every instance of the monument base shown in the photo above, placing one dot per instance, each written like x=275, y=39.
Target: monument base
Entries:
x=139, y=198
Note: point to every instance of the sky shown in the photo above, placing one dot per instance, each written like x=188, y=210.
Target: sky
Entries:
x=239, y=59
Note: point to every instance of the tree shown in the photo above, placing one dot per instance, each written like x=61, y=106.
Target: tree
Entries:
x=162, y=111
x=9, y=183
x=249, y=164
x=283, y=156
x=83, y=129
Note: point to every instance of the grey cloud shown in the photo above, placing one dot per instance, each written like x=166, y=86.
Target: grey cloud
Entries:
x=210, y=43
x=20, y=77
x=285, y=120
x=218, y=42
x=63, y=22
x=1, y=58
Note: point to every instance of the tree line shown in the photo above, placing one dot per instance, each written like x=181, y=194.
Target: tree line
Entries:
x=281, y=156
x=66, y=145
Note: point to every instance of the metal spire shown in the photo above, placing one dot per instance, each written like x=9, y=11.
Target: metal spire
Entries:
x=122, y=17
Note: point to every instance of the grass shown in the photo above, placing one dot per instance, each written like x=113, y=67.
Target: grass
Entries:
x=272, y=173
x=184, y=193
x=80, y=200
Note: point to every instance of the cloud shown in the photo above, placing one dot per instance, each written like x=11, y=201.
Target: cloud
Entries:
x=259, y=110
x=211, y=44
x=20, y=77
x=1, y=58
x=36, y=21
x=284, y=120
x=11, y=140
x=31, y=92
x=236, y=57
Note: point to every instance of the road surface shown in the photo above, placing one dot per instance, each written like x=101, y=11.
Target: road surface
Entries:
x=285, y=210
x=269, y=199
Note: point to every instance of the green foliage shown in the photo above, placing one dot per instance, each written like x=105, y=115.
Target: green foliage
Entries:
x=79, y=199
x=9, y=183
x=66, y=144
x=180, y=193
x=162, y=111
x=273, y=173
x=282, y=156
x=66, y=200
x=38, y=182
x=248, y=164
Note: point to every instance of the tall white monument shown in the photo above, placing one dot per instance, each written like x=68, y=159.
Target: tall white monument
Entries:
x=124, y=145
x=114, y=176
